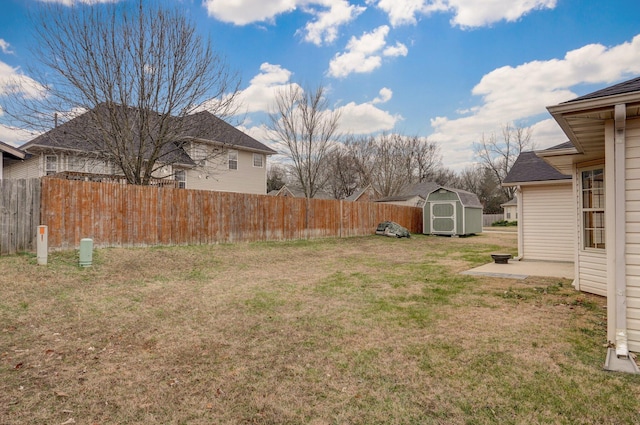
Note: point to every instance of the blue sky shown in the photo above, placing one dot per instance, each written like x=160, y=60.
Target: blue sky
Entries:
x=448, y=70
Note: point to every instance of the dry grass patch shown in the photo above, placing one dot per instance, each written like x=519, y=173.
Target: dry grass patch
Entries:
x=360, y=331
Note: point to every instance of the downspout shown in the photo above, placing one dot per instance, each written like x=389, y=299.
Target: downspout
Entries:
x=520, y=226
x=622, y=350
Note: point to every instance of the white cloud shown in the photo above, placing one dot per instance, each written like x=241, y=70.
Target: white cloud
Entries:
x=325, y=27
x=5, y=47
x=14, y=136
x=365, y=54
x=329, y=15
x=262, y=90
x=467, y=13
x=13, y=81
x=521, y=94
x=365, y=118
x=385, y=96
x=242, y=12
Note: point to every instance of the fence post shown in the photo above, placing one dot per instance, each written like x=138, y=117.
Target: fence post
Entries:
x=42, y=245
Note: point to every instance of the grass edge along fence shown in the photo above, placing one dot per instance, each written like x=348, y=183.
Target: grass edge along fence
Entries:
x=116, y=215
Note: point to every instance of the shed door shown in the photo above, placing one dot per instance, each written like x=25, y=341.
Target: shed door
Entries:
x=443, y=218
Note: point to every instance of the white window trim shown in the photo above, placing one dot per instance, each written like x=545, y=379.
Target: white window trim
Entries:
x=182, y=182
x=583, y=228
x=232, y=152
x=46, y=164
x=261, y=156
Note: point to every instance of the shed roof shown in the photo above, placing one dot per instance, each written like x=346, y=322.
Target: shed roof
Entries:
x=467, y=199
x=529, y=167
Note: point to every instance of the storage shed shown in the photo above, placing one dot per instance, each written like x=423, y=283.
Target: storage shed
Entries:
x=452, y=212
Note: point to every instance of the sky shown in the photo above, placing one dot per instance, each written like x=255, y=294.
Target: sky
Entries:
x=451, y=71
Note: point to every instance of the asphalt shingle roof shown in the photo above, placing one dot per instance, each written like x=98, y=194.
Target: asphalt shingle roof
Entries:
x=531, y=168
x=629, y=86
x=80, y=133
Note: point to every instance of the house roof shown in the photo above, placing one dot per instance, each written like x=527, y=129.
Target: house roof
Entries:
x=297, y=192
x=529, y=167
x=513, y=201
x=629, y=86
x=400, y=198
x=11, y=151
x=357, y=194
x=80, y=134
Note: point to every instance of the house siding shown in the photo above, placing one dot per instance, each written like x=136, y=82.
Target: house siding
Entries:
x=632, y=246
x=29, y=168
x=548, y=222
x=246, y=179
x=592, y=272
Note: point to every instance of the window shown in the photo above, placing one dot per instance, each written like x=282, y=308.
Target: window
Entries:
x=233, y=160
x=593, y=208
x=50, y=165
x=257, y=160
x=508, y=215
x=181, y=177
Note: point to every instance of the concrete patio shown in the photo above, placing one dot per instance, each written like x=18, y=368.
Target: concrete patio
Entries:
x=522, y=269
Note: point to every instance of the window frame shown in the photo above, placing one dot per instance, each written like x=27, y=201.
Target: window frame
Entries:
x=590, y=240
x=182, y=182
x=232, y=159
x=47, y=170
x=258, y=156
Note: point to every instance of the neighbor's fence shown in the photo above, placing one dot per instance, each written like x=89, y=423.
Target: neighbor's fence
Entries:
x=489, y=219
x=19, y=215
x=127, y=215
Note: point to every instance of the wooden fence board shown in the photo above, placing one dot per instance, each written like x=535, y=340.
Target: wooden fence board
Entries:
x=19, y=214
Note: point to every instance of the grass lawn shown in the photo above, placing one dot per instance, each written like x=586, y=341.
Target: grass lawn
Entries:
x=367, y=330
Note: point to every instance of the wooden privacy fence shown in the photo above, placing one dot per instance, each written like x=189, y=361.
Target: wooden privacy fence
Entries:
x=126, y=215
x=489, y=219
x=19, y=215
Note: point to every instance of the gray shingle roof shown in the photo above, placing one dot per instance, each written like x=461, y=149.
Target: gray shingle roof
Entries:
x=629, y=86
x=11, y=152
x=424, y=189
x=80, y=133
x=530, y=168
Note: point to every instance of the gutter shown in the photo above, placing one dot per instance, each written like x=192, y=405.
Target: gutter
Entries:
x=519, y=209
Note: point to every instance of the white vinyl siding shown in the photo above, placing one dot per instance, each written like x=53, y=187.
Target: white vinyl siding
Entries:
x=247, y=179
x=16, y=169
x=632, y=194
x=548, y=222
x=592, y=272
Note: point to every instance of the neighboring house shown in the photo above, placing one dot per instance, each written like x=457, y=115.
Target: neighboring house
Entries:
x=510, y=209
x=604, y=160
x=296, y=192
x=366, y=194
x=9, y=152
x=414, y=196
x=545, y=210
x=209, y=155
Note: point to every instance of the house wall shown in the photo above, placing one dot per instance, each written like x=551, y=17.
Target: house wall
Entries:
x=511, y=212
x=632, y=247
x=246, y=179
x=548, y=222
x=25, y=169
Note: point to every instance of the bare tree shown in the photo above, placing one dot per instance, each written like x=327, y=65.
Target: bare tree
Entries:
x=391, y=162
x=307, y=129
x=133, y=70
x=342, y=174
x=498, y=154
x=276, y=177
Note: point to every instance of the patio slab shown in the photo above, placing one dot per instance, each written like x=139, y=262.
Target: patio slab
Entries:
x=522, y=269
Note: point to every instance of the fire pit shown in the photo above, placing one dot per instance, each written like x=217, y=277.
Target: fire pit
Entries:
x=501, y=258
